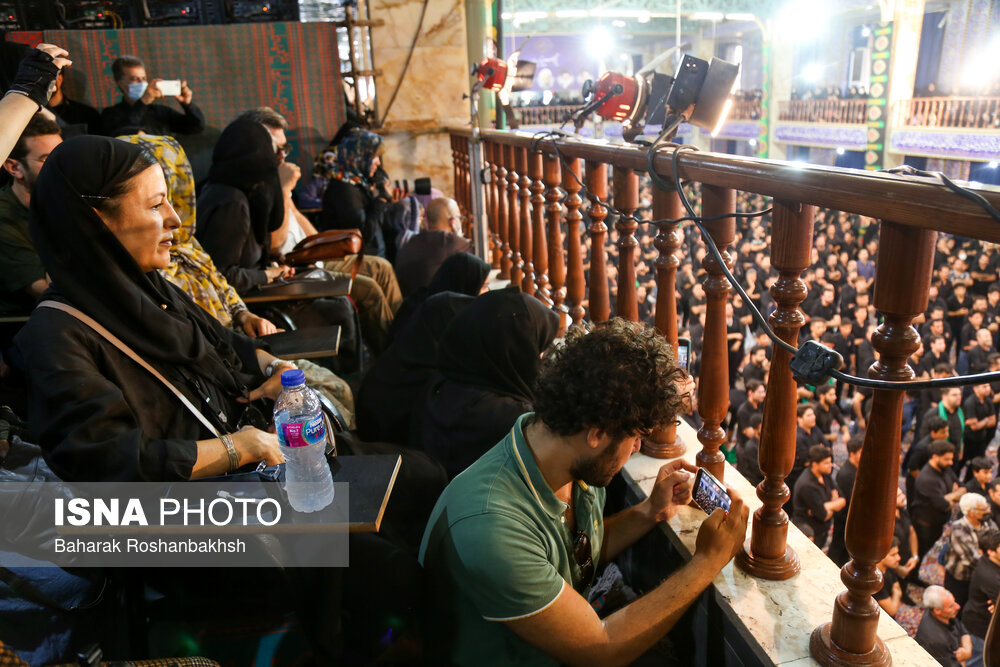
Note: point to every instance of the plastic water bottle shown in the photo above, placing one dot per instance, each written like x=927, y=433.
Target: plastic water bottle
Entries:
x=298, y=419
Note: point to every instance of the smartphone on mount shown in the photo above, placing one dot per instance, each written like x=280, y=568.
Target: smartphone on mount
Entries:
x=709, y=492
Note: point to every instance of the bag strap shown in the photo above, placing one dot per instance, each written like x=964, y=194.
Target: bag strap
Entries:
x=130, y=353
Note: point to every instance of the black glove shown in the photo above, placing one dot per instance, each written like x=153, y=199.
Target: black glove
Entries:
x=36, y=77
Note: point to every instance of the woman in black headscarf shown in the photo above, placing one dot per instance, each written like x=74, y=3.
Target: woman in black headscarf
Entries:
x=397, y=384
x=488, y=361
x=103, y=226
x=238, y=208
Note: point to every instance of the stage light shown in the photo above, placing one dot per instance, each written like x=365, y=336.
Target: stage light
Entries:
x=620, y=94
x=599, y=43
x=491, y=74
x=708, y=16
x=865, y=31
x=617, y=23
x=753, y=143
x=506, y=16
x=740, y=17
x=840, y=150
x=572, y=13
x=643, y=18
x=994, y=164
x=812, y=73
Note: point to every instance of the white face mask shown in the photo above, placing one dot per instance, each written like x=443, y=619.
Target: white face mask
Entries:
x=136, y=90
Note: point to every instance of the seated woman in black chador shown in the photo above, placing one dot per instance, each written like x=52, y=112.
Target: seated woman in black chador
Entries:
x=102, y=228
x=238, y=208
x=488, y=361
x=397, y=384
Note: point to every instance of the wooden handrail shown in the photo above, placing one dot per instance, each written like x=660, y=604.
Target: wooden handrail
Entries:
x=918, y=202
x=968, y=112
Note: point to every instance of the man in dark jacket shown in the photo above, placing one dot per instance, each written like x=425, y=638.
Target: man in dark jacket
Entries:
x=983, y=590
x=817, y=497
x=422, y=255
x=941, y=633
x=935, y=494
x=137, y=108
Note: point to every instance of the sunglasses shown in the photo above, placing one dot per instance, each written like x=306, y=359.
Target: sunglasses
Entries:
x=581, y=553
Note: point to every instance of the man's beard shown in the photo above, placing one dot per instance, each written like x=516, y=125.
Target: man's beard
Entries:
x=597, y=470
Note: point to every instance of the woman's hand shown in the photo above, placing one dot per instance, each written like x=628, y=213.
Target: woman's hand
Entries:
x=254, y=325
x=252, y=444
x=271, y=387
x=275, y=272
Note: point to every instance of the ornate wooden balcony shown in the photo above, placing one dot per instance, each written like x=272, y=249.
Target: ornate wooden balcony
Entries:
x=837, y=111
x=532, y=219
x=979, y=113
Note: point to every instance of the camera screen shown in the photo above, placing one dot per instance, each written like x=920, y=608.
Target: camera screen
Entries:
x=709, y=493
x=683, y=356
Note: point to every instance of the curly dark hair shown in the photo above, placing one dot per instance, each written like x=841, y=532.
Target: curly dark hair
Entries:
x=621, y=378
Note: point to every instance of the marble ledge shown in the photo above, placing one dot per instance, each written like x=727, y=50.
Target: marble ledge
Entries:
x=777, y=616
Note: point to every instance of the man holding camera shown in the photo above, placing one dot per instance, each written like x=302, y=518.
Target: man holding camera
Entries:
x=137, y=110
x=514, y=542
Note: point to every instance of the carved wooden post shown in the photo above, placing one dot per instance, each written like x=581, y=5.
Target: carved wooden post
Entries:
x=502, y=215
x=492, y=204
x=902, y=280
x=575, y=282
x=513, y=217
x=713, y=387
x=536, y=170
x=527, y=283
x=470, y=230
x=767, y=555
x=663, y=443
x=597, y=186
x=455, y=165
x=556, y=263
x=626, y=193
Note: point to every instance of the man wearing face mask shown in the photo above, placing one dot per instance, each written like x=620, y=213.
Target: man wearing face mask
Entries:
x=137, y=108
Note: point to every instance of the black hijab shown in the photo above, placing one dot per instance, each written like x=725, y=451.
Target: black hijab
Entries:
x=462, y=273
x=91, y=270
x=244, y=158
x=496, y=342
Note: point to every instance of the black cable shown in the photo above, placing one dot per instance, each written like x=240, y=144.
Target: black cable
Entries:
x=952, y=185
x=832, y=359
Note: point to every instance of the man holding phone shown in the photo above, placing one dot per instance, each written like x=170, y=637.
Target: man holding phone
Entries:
x=513, y=543
x=137, y=110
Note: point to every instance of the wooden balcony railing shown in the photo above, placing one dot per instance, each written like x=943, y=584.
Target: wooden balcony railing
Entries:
x=969, y=112
x=853, y=111
x=536, y=187
x=745, y=110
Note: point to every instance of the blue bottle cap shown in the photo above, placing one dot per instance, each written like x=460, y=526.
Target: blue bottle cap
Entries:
x=293, y=378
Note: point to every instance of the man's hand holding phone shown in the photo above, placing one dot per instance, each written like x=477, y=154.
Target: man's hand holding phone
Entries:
x=722, y=534
x=671, y=490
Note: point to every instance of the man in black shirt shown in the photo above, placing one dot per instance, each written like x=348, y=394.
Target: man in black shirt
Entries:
x=824, y=308
x=935, y=494
x=903, y=530
x=919, y=453
x=76, y=117
x=980, y=421
x=983, y=590
x=817, y=497
x=748, y=463
x=980, y=351
x=979, y=477
x=829, y=419
x=941, y=633
x=806, y=435
x=756, y=368
x=137, y=108
x=950, y=409
x=935, y=352
x=959, y=304
x=754, y=405
x=845, y=482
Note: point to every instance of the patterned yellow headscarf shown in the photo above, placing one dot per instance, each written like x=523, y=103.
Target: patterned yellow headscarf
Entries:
x=191, y=268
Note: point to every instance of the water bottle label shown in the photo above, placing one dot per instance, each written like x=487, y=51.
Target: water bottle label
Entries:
x=301, y=434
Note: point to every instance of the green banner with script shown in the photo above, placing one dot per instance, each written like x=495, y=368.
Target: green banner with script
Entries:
x=878, y=94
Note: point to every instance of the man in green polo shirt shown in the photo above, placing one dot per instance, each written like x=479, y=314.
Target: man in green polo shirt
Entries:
x=512, y=544
x=22, y=276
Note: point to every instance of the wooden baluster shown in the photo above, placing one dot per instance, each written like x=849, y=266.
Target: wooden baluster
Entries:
x=502, y=215
x=851, y=637
x=575, y=281
x=556, y=263
x=527, y=283
x=536, y=169
x=455, y=164
x=466, y=187
x=767, y=555
x=492, y=204
x=626, y=193
x=513, y=217
x=471, y=229
x=663, y=443
x=713, y=386
x=597, y=187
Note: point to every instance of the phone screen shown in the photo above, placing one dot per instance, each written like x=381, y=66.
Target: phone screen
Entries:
x=709, y=492
x=170, y=87
x=684, y=353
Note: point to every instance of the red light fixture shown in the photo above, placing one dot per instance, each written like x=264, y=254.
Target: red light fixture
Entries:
x=621, y=95
x=491, y=73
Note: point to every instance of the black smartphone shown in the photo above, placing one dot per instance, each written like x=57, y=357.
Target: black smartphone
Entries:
x=709, y=492
x=684, y=354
